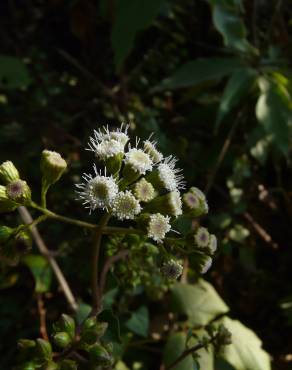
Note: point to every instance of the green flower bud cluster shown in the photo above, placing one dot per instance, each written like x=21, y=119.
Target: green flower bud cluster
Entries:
x=86, y=342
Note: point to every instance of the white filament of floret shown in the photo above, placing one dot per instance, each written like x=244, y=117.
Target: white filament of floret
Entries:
x=106, y=148
x=97, y=191
x=158, y=227
x=125, y=206
x=120, y=134
x=171, y=177
x=174, y=202
x=150, y=148
x=202, y=237
x=138, y=160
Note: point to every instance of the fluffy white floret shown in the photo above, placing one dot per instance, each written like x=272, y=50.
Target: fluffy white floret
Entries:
x=171, y=177
x=138, y=160
x=158, y=227
x=125, y=206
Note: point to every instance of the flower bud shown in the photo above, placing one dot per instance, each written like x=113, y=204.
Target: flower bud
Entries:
x=6, y=204
x=62, y=339
x=113, y=164
x=99, y=355
x=8, y=172
x=44, y=349
x=172, y=269
x=206, y=264
x=195, y=203
x=224, y=336
x=22, y=241
x=52, y=167
x=19, y=192
x=5, y=233
x=65, y=324
x=168, y=204
x=24, y=344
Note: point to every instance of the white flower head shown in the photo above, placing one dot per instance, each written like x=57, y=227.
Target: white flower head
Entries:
x=106, y=148
x=144, y=190
x=120, y=134
x=172, y=269
x=138, y=160
x=213, y=243
x=150, y=148
x=174, y=203
x=125, y=206
x=171, y=177
x=97, y=191
x=191, y=200
x=202, y=237
x=158, y=227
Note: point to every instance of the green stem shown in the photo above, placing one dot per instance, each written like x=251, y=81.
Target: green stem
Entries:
x=44, y=190
x=96, y=296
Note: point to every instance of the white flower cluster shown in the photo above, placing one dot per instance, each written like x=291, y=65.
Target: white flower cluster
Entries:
x=138, y=183
x=143, y=182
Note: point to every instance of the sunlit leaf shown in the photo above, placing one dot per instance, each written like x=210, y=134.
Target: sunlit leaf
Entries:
x=274, y=112
x=175, y=346
x=41, y=271
x=200, y=302
x=245, y=352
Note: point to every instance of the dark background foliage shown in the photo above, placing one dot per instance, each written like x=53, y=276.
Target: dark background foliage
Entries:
x=69, y=66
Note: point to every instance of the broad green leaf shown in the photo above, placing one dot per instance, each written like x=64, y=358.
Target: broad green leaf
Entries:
x=200, y=302
x=131, y=16
x=236, y=88
x=13, y=73
x=113, y=332
x=274, y=112
x=139, y=322
x=245, y=352
x=227, y=21
x=205, y=357
x=41, y=271
x=200, y=70
x=175, y=346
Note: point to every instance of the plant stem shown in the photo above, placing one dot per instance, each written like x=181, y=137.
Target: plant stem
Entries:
x=25, y=215
x=187, y=352
x=96, y=293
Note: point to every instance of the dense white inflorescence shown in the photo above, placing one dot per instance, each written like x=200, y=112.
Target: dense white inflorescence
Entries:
x=158, y=227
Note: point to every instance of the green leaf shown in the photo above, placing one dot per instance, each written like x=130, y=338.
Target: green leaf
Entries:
x=139, y=322
x=274, y=112
x=131, y=16
x=13, y=73
x=227, y=21
x=41, y=271
x=200, y=302
x=174, y=347
x=82, y=312
x=113, y=332
x=245, y=352
x=200, y=70
x=236, y=88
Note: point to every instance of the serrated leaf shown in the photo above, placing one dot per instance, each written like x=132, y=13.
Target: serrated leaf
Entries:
x=200, y=302
x=131, y=16
x=175, y=346
x=200, y=70
x=273, y=111
x=139, y=322
x=236, y=88
x=13, y=73
x=41, y=271
x=245, y=352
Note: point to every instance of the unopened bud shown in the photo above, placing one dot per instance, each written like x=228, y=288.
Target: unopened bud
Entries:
x=99, y=355
x=62, y=339
x=6, y=204
x=5, y=233
x=52, y=167
x=195, y=203
x=8, y=172
x=65, y=324
x=44, y=349
x=19, y=192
